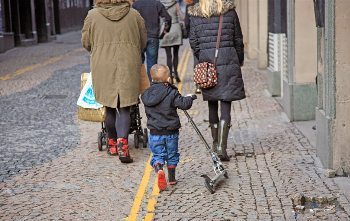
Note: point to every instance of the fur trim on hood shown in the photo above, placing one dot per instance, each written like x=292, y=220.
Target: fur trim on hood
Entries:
x=195, y=10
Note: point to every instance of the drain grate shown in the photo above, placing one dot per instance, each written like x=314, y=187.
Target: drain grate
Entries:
x=312, y=205
x=54, y=96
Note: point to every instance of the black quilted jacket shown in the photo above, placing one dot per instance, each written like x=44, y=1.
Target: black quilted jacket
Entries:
x=161, y=103
x=203, y=34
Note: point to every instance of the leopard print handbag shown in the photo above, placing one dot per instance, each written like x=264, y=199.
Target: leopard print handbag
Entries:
x=205, y=75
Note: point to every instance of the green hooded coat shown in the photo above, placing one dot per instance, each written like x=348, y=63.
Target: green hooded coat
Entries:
x=115, y=35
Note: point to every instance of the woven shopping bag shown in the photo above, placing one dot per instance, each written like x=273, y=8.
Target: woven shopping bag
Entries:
x=88, y=114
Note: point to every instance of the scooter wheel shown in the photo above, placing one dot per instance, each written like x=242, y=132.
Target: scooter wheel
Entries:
x=145, y=138
x=209, y=186
x=100, y=141
x=136, y=140
x=226, y=175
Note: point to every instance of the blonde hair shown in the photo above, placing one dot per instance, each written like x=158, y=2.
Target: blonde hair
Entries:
x=160, y=73
x=206, y=8
x=99, y=2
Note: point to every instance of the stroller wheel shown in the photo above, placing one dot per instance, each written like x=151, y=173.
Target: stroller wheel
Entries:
x=145, y=138
x=136, y=140
x=99, y=141
x=104, y=138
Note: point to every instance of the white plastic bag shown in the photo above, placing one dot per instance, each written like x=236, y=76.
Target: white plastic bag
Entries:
x=87, y=97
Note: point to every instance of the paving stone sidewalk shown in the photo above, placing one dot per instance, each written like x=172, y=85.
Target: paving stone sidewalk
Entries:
x=50, y=168
x=57, y=173
x=271, y=163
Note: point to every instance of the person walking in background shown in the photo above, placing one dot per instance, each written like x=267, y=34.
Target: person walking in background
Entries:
x=204, y=26
x=161, y=102
x=152, y=11
x=115, y=35
x=172, y=40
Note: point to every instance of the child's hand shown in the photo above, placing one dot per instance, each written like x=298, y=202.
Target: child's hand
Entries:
x=193, y=96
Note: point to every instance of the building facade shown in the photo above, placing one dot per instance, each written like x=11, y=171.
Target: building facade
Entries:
x=27, y=22
x=277, y=46
x=308, y=64
x=333, y=106
x=6, y=35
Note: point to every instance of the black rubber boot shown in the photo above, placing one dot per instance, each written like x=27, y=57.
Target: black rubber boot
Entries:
x=171, y=176
x=214, y=135
x=224, y=128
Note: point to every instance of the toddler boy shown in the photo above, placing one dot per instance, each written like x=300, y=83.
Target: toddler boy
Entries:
x=161, y=101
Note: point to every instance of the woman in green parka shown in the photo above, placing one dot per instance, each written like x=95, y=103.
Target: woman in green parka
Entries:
x=115, y=36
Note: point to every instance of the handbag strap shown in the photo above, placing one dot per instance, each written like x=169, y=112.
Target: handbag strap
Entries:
x=166, y=8
x=218, y=39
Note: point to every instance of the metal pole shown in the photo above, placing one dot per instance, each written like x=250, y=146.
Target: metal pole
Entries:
x=197, y=130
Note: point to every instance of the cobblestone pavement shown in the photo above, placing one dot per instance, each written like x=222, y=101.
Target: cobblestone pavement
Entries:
x=271, y=162
x=50, y=168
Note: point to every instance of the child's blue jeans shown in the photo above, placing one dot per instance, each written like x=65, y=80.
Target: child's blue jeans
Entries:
x=164, y=149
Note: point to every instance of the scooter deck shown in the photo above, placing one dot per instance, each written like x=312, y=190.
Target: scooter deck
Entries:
x=218, y=167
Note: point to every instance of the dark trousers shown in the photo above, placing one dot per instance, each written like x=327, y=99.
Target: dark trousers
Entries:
x=117, y=122
x=172, y=59
x=225, y=109
x=151, y=51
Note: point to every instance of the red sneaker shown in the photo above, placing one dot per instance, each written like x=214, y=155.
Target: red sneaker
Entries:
x=123, y=151
x=112, y=147
x=161, y=180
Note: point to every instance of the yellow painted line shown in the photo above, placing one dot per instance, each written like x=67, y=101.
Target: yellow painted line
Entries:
x=151, y=206
x=180, y=65
x=155, y=192
x=152, y=201
x=140, y=192
x=182, y=74
x=36, y=66
x=184, y=64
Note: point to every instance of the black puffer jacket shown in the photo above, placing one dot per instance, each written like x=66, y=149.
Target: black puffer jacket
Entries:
x=161, y=102
x=203, y=34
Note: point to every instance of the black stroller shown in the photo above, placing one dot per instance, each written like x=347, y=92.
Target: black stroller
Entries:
x=140, y=135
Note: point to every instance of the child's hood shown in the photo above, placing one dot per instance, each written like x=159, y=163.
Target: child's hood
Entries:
x=155, y=94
